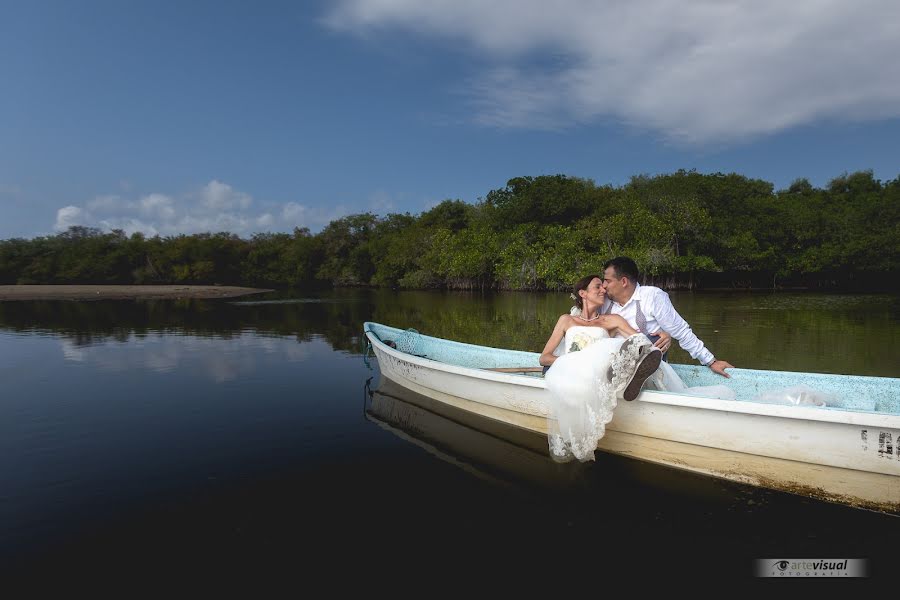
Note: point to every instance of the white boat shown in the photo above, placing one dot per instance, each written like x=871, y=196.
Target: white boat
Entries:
x=847, y=452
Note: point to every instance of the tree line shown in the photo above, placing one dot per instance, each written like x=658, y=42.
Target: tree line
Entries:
x=684, y=229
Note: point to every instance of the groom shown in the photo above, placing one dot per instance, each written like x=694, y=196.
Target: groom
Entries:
x=648, y=308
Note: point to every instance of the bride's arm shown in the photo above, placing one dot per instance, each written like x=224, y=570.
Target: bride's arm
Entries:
x=559, y=332
x=615, y=324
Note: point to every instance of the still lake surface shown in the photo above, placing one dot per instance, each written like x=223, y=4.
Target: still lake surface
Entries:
x=252, y=432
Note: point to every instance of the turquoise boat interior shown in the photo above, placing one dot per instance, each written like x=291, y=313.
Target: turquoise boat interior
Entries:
x=843, y=392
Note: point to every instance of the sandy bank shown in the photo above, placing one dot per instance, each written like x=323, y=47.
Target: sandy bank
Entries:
x=122, y=292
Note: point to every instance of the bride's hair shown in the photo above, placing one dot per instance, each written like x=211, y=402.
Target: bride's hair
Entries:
x=582, y=284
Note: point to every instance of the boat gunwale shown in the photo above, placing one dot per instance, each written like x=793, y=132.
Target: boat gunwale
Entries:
x=805, y=413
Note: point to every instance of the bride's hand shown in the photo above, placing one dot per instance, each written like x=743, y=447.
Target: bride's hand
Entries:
x=664, y=341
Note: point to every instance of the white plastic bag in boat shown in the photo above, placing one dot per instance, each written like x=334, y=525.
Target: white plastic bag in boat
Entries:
x=796, y=395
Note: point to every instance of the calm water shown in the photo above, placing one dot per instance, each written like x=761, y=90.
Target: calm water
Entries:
x=187, y=434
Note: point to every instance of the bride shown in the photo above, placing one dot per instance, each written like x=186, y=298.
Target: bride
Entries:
x=595, y=361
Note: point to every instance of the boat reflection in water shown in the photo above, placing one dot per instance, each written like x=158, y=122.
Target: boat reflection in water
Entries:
x=511, y=456
x=486, y=448
x=616, y=505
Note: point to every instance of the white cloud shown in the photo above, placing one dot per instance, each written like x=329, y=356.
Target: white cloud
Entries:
x=129, y=225
x=220, y=196
x=265, y=220
x=293, y=212
x=695, y=70
x=68, y=216
x=214, y=208
x=157, y=206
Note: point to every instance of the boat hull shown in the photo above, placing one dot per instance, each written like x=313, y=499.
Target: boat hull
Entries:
x=839, y=456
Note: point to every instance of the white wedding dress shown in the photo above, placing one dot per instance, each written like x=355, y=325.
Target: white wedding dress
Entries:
x=667, y=380
x=582, y=397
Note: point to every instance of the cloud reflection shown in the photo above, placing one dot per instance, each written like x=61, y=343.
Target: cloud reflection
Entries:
x=220, y=360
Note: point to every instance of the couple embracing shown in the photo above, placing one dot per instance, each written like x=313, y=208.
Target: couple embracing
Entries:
x=606, y=349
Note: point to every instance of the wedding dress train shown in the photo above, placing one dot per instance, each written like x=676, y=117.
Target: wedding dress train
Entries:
x=667, y=380
x=583, y=396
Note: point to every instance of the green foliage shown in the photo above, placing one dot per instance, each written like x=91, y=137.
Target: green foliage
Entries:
x=396, y=244
x=345, y=246
x=449, y=214
x=535, y=233
x=469, y=258
x=555, y=199
x=521, y=250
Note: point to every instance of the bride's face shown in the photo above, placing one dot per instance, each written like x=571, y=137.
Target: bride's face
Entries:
x=595, y=292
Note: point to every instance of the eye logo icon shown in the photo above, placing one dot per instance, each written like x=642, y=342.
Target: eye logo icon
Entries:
x=781, y=565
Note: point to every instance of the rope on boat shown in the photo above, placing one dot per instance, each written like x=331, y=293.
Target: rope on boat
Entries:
x=367, y=350
x=366, y=356
x=367, y=394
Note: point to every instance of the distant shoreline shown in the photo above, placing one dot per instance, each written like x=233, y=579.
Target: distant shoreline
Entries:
x=123, y=292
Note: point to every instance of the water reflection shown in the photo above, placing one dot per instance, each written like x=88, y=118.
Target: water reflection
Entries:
x=337, y=320
x=164, y=353
x=502, y=453
x=209, y=428
x=483, y=447
x=824, y=333
x=617, y=505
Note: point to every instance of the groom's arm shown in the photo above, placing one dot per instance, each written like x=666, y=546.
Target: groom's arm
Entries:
x=671, y=322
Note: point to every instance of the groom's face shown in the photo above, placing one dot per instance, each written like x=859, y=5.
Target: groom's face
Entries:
x=612, y=283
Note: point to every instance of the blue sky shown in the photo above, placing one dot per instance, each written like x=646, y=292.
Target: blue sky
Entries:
x=177, y=117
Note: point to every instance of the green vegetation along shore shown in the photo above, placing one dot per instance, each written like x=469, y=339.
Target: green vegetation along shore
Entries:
x=685, y=230
x=122, y=292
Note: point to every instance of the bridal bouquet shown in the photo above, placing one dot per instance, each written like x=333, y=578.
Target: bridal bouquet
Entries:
x=580, y=341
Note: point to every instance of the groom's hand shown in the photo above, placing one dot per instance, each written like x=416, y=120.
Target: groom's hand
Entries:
x=664, y=341
x=719, y=367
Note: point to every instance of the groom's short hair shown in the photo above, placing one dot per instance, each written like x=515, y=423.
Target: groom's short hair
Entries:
x=624, y=267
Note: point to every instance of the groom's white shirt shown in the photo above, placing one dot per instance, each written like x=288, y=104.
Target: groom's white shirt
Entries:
x=660, y=314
